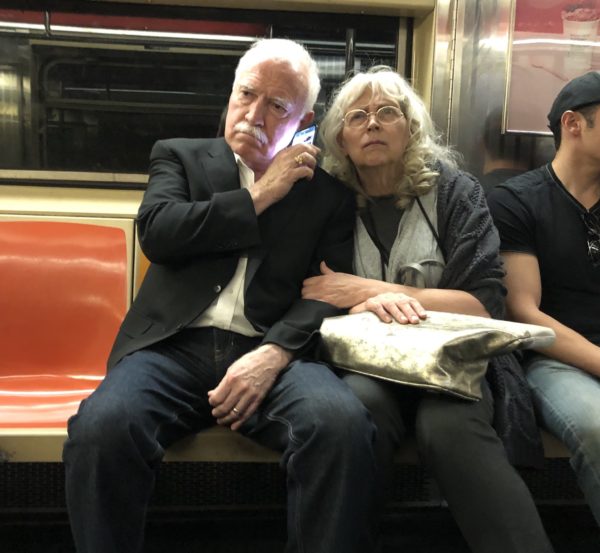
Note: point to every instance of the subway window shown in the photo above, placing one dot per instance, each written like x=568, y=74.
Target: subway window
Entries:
x=92, y=92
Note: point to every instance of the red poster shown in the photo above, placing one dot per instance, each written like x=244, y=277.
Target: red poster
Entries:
x=553, y=41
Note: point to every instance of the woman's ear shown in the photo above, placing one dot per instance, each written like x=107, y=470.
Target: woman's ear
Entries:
x=340, y=141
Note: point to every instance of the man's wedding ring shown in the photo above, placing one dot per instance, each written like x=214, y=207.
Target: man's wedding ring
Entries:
x=236, y=411
x=299, y=159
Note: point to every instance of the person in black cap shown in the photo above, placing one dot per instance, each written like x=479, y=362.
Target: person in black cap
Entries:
x=549, y=224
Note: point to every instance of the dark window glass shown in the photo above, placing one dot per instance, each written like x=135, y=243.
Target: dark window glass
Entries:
x=101, y=110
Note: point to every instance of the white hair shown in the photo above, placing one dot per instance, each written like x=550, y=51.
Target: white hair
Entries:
x=423, y=150
x=281, y=49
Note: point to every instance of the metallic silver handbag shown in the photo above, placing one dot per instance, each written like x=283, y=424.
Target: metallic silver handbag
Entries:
x=447, y=352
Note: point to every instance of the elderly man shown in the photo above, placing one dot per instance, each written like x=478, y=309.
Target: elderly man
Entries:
x=549, y=223
x=231, y=226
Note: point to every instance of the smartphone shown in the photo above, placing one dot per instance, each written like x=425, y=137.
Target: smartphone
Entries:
x=305, y=136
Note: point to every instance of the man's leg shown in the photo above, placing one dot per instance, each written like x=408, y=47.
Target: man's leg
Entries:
x=567, y=401
x=326, y=436
x=487, y=497
x=116, y=441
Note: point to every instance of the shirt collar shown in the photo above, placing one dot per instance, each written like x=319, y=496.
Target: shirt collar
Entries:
x=246, y=174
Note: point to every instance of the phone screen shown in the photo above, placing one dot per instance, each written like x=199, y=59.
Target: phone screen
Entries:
x=305, y=136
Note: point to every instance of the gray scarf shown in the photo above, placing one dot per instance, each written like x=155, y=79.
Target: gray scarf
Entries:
x=415, y=257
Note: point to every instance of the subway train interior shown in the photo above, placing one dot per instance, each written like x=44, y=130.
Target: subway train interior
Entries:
x=86, y=88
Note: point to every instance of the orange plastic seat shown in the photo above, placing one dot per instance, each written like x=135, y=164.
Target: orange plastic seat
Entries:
x=63, y=294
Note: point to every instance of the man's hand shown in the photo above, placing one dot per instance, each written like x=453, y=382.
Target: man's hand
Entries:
x=340, y=289
x=393, y=306
x=288, y=166
x=246, y=384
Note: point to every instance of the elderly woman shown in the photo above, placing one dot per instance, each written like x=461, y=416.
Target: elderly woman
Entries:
x=424, y=239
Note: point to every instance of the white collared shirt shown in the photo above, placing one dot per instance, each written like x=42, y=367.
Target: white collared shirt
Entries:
x=227, y=310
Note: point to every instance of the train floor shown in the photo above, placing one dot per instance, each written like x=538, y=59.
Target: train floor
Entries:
x=571, y=528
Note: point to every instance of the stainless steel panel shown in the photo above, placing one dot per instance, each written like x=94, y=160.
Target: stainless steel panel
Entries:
x=13, y=98
x=469, y=86
x=443, y=64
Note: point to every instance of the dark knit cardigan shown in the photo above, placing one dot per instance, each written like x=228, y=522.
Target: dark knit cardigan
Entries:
x=470, y=245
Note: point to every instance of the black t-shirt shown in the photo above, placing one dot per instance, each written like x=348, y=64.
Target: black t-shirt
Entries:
x=381, y=218
x=386, y=217
x=535, y=214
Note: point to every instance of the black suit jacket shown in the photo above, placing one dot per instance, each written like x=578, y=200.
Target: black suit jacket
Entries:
x=194, y=223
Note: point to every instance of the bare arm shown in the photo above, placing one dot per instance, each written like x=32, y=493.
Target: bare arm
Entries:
x=345, y=291
x=523, y=305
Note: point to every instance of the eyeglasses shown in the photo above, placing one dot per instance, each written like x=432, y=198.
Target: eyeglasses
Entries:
x=386, y=115
x=592, y=225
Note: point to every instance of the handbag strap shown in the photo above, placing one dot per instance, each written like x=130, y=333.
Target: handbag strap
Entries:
x=431, y=227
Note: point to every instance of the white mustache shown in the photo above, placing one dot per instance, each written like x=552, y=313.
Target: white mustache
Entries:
x=247, y=128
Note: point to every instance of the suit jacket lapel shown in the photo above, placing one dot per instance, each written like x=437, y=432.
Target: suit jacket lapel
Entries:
x=220, y=167
x=272, y=223
x=223, y=175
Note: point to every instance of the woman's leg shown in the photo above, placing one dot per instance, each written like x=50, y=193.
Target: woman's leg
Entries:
x=389, y=405
x=384, y=401
x=487, y=497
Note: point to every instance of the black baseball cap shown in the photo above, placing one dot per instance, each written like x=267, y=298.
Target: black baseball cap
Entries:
x=580, y=92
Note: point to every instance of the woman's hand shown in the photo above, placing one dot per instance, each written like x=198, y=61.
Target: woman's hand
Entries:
x=393, y=306
x=339, y=289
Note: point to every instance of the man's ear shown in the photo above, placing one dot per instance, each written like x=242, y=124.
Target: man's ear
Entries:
x=306, y=120
x=571, y=122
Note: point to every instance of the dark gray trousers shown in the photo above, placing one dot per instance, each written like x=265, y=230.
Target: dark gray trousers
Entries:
x=487, y=497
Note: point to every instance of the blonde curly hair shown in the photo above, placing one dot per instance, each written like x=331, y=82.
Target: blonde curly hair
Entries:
x=424, y=149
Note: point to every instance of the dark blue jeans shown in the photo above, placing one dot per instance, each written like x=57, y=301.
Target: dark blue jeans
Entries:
x=156, y=396
x=567, y=400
